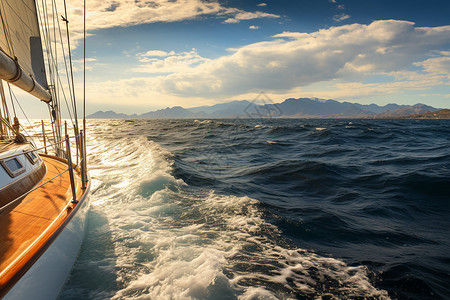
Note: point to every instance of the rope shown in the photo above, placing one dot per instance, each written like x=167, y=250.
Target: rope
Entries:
x=36, y=149
x=84, y=71
x=12, y=103
x=52, y=58
x=70, y=64
x=72, y=94
x=29, y=123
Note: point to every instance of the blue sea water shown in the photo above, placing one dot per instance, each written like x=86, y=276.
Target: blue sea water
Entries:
x=266, y=209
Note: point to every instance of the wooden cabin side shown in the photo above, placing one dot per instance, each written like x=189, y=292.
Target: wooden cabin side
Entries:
x=21, y=169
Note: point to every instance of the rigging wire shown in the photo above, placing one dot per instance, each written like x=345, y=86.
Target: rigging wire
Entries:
x=53, y=69
x=84, y=70
x=51, y=57
x=48, y=50
x=26, y=117
x=47, y=11
x=12, y=103
x=4, y=103
x=53, y=64
x=70, y=64
x=46, y=36
x=6, y=116
x=71, y=87
x=55, y=51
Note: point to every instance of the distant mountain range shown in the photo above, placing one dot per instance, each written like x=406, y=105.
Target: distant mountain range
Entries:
x=289, y=108
x=438, y=114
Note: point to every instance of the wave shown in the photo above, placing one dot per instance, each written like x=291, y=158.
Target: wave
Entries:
x=159, y=238
x=233, y=209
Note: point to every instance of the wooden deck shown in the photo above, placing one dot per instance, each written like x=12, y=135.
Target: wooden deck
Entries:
x=29, y=227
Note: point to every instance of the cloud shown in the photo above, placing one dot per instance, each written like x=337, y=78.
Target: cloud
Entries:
x=262, y=4
x=436, y=65
x=294, y=59
x=342, y=58
x=172, y=63
x=104, y=14
x=243, y=15
x=341, y=17
x=78, y=64
x=157, y=53
x=253, y=27
x=292, y=35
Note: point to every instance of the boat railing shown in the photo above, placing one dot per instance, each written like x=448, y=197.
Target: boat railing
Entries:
x=71, y=167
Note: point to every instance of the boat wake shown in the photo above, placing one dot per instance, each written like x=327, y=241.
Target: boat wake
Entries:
x=152, y=236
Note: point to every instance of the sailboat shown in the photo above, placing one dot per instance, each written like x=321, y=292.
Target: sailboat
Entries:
x=44, y=190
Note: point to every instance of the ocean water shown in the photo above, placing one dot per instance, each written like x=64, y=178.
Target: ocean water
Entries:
x=266, y=209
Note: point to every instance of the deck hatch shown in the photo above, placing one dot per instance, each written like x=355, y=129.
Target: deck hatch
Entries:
x=32, y=157
x=13, y=166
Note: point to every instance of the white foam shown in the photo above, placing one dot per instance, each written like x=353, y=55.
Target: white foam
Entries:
x=257, y=294
x=174, y=242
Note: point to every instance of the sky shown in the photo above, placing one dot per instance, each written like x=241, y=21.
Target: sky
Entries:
x=144, y=55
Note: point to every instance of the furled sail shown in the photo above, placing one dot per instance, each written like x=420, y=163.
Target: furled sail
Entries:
x=21, y=57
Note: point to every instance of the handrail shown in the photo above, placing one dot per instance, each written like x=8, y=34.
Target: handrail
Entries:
x=6, y=146
x=37, y=149
x=76, y=136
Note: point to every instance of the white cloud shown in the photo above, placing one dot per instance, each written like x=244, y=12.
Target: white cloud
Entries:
x=262, y=4
x=172, y=63
x=340, y=57
x=253, y=27
x=102, y=14
x=244, y=15
x=231, y=21
x=157, y=53
x=299, y=59
x=292, y=35
x=78, y=64
x=341, y=17
x=436, y=65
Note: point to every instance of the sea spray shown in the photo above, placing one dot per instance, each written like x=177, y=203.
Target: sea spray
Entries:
x=173, y=241
x=240, y=209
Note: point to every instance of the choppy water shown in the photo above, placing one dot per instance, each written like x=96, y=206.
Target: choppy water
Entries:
x=266, y=209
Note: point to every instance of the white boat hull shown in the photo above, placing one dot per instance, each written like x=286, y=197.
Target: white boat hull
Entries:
x=47, y=276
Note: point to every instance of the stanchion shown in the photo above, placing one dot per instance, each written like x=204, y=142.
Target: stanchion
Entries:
x=72, y=178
